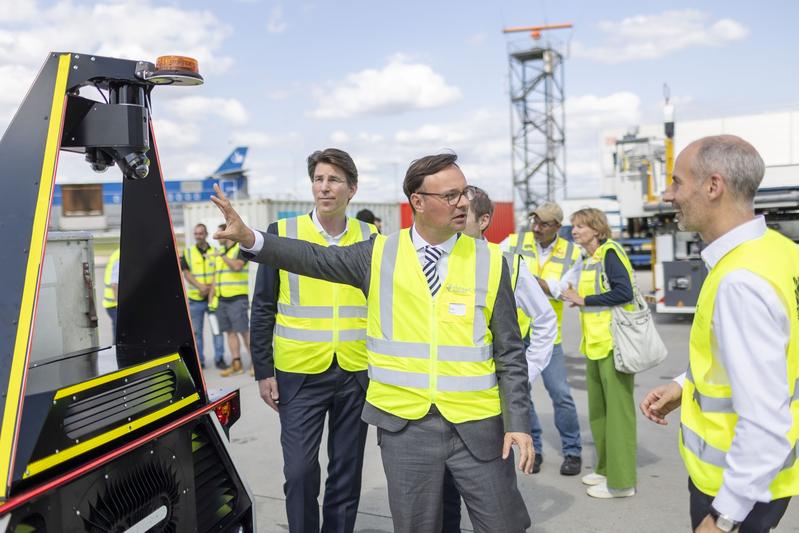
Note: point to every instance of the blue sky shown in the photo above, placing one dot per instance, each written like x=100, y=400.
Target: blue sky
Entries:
x=391, y=81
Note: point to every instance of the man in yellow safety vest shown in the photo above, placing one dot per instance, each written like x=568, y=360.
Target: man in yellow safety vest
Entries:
x=448, y=376
x=739, y=398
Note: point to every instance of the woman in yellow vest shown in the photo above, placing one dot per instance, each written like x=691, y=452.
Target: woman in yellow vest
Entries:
x=605, y=281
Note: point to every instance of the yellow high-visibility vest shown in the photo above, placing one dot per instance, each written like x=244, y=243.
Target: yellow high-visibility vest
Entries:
x=202, y=267
x=595, y=321
x=229, y=282
x=427, y=350
x=109, y=300
x=316, y=319
x=564, y=254
x=513, y=261
x=707, y=419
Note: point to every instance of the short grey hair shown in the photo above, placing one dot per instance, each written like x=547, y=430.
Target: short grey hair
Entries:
x=733, y=158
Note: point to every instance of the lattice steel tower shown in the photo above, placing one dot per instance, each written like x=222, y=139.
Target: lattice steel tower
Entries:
x=537, y=122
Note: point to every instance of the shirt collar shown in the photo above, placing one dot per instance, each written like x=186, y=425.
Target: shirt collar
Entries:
x=547, y=249
x=419, y=242
x=321, y=229
x=740, y=234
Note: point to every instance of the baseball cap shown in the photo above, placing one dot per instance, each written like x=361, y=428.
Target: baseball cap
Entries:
x=548, y=212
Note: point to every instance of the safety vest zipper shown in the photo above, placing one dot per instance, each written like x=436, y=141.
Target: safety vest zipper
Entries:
x=433, y=349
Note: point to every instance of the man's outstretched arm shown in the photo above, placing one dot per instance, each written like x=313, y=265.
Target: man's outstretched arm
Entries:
x=349, y=264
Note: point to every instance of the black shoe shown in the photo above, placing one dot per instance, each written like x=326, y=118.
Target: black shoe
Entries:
x=221, y=365
x=537, y=463
x=571, y=466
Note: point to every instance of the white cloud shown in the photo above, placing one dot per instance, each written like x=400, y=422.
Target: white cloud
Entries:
x=397, y=87
x=228, y=109
x=115, y=29
x=170, y=134
x=18, y=10
x=656, y=35
x=276, y=23
x=339, y=137
x=260, y=139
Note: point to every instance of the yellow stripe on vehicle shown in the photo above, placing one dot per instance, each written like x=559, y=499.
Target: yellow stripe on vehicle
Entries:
x=62, y=456
x=86, y=385
x=35, y=250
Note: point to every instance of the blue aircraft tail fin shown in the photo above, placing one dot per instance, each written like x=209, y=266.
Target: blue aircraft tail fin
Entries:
x=234, y=162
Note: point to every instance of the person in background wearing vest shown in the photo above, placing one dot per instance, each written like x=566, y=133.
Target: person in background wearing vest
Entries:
x=556, y=263
x=199, y=267
x=740, y=405
x=309, y=354
x=232, y=287
x=111, y=290
x=536, y=319
x=605, y=281
x=447, y=372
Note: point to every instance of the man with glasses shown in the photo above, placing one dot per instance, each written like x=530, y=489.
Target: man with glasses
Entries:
x=448, y=376
x=556, y=263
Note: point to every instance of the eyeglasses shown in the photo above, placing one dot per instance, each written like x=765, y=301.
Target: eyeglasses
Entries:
x=543, y=225
x=453, y=197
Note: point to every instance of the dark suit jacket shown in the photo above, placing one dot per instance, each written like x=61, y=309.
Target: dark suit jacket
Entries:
x=262, y=327
x=352, y=265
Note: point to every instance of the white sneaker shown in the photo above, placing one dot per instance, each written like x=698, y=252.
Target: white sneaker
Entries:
x=602, y=491
x=593, y=479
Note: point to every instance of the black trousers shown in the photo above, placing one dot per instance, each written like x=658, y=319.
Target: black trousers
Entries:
x=337, y=395
x=762, y=518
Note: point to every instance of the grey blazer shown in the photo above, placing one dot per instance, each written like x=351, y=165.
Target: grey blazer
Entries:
x=352, y=265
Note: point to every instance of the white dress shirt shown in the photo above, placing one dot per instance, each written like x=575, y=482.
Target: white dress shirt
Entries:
x=531, y=299
x=750, y=332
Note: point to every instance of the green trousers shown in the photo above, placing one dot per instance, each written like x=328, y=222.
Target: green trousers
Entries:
x=611, y=413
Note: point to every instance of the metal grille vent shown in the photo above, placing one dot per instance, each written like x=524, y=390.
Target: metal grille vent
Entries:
x=141, y=493
x=214, y=490
x=121, y=403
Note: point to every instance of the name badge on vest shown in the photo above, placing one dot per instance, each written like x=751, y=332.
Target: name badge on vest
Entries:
x=457, y=309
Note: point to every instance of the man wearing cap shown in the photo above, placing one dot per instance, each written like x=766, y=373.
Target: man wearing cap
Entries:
x=556, y=262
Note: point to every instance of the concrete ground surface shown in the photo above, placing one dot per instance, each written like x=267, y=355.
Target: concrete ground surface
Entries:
x=557, y=504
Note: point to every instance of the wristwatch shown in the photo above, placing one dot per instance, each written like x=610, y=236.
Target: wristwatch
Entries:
x=723, y=522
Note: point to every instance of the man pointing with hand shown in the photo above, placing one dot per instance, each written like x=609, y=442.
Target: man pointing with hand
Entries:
x=448, y=375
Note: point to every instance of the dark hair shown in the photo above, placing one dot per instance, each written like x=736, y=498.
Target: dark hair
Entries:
x=423, y=167
x=201, y=225
x=481, y=204
x=222, y=226
x=337, y=158
x=365, y=215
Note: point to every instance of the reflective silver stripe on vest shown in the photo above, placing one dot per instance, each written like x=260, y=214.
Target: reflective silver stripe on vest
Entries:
x=232, y=283
x=352, y=311
x=365, y=231
x=710, y=404
x=712, y=455
x=795, y=391
x=588, y=310
x=387, y=265
x=519, y=249
x=418, y=350
x=597, y=277
x=305, y=311
x=473, y=354
x=306, y=335
x=567, y=260
x=294, y=279
x=400, y=379
x=466, y=383
x=704, y=451
x=347, y=335
x=511, y=260
x=482, y=267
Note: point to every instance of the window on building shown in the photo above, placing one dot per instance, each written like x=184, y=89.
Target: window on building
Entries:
x=82, y=200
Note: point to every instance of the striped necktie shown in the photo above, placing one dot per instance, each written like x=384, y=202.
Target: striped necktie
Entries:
x=431, y=256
